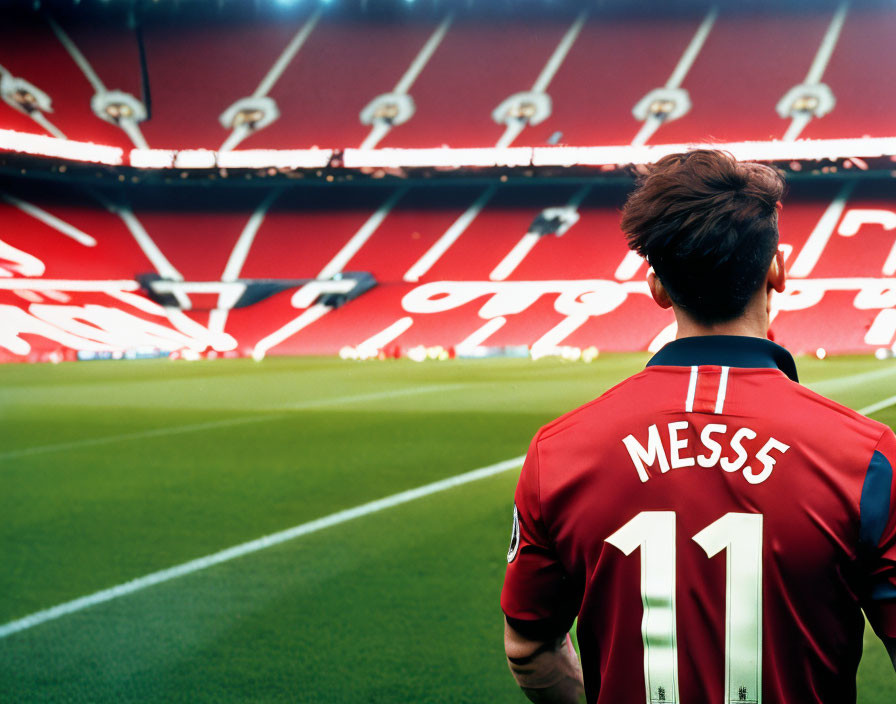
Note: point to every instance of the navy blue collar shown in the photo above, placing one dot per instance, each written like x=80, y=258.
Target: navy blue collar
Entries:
x=725, y=351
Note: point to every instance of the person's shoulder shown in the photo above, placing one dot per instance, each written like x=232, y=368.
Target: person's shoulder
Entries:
x=823, y=404
x=597, y=409
x=827, y=413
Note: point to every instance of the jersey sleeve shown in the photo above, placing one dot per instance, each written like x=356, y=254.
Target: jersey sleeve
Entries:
x=878, y=535
x=537, y=597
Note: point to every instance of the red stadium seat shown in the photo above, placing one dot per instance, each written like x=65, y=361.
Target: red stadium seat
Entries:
x=69, y=266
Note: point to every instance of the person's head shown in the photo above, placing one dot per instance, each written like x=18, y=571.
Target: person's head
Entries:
x=708, y=226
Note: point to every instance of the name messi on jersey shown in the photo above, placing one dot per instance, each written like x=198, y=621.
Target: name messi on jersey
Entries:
x=756, y=468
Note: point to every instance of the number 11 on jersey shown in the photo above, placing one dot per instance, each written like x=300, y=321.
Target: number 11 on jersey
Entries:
x=740, y=535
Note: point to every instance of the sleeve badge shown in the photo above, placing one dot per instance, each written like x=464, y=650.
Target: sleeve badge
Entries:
x=514, y=536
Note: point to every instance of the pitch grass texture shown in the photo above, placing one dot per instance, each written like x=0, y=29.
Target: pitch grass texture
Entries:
x=111, y=471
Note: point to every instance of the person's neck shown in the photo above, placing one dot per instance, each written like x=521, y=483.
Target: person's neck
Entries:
x=753, y=323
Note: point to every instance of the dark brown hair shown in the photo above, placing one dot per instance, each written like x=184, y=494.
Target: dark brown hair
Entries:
x=708, y=226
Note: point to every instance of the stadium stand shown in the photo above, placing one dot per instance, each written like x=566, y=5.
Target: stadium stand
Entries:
x=470, y=265
x=465, y=267
x=339, y=81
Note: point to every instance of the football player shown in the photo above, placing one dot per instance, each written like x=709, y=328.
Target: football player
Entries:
x=717, y=528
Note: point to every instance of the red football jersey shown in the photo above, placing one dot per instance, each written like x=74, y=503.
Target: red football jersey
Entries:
x=717, y=528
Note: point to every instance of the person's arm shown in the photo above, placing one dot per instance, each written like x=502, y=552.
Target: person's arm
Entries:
x=547, y=672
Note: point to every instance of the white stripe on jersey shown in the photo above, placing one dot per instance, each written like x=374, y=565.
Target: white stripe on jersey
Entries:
x=692, y=391
x=723, y=385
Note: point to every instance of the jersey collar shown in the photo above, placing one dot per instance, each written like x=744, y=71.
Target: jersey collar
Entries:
x=725, y=351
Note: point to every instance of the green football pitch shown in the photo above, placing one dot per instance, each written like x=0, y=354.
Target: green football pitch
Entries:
x=113, y=472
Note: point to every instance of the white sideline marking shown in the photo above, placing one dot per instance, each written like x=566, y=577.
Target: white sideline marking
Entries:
x=839, y=383
x=186, y=568
x=247, y=548
x=879, y=406
x=224, y=423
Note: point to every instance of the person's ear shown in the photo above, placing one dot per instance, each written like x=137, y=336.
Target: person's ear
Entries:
x=657, y=290
x=777, y=275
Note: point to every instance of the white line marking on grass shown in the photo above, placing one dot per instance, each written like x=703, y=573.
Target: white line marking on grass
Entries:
x=848, y=382
x=247, y=548
x=879, y=406
x=302, y=405
x=186, y=568
x=260, y=417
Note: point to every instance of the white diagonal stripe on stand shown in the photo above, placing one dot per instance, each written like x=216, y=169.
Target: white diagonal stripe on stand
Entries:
x=285, y=58
x=457, y=228
x=826, y=48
